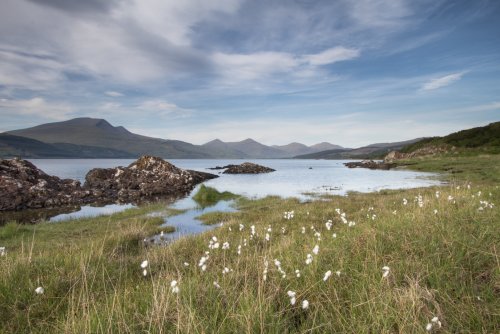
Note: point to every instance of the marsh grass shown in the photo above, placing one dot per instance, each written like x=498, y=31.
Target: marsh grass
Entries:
x=445, y=265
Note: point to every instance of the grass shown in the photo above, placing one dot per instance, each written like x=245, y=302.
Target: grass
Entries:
x=208, y=196
x=445, y=265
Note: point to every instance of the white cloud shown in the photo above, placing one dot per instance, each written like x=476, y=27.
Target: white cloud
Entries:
x=442, y=81
x=37, y=106
x=332, y=55
x=113, y=94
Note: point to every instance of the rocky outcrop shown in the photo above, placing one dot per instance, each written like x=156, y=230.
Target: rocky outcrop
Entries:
x=24, y=186
x=247, y=168
x=369, y=164
x=421, y=152
x=145, y=178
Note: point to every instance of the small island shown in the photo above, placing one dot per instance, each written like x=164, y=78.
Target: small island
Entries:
x=245, y=168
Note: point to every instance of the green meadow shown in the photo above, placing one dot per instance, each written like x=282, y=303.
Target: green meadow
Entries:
x=400, y=261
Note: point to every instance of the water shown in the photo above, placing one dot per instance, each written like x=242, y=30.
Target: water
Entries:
x=292, y=178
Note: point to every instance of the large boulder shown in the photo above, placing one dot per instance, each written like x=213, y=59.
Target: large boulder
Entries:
x=247, y=168
x=23, y=186
x=145, y=178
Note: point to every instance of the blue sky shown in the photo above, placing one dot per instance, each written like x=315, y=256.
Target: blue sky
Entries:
x=348, y=72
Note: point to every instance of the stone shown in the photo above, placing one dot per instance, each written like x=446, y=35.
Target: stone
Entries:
x=247, y=168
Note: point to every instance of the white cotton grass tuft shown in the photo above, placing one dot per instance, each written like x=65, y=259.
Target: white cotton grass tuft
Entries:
x=225, y=245
x=305, y=304
x=327, y=275
x=144, y=264
x=266, y=266
x=385, y=271
x=434, y=322
x=309, y=259
x=216, y=284
x=186, y=264
x=2, y=251
x=315, y=250
x=174, y=287
x=291, y=295
x=39, y=290
x=297, y=273
x=405, y=201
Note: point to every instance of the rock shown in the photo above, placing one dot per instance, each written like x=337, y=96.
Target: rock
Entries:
x=370, y=164
x=425, y=151
x=247, y=168
x=23, y=186
x=145, y=178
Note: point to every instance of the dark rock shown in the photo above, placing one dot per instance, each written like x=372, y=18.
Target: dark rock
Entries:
x=247, y=168
x=224, y=167
x=23, y=185
x=145, y=178
x=370, y=164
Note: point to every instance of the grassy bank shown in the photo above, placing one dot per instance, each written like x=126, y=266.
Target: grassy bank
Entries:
x=442, y=252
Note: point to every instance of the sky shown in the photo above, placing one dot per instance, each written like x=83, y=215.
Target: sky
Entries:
x=348, y=72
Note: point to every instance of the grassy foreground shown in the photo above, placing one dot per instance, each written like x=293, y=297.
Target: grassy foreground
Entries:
x=442, y=253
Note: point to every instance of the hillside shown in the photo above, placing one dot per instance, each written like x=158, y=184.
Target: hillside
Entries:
x=366, y=152
x=485, y=138
x=15, y=146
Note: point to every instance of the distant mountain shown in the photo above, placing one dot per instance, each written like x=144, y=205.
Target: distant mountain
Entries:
x=221, y=149
x=293, y=149
x=15, y=146
x=325, y=146
x=366, y=152
x=256, y=150
x=99, y=133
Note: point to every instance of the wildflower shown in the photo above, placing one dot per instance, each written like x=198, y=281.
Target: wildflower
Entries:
x=385, y=271
x=283, y=230
x=327, y=275
x=437, y=194
x=226, y=270
x=305, y=304
x=144, y=264
x=39, y=290
x=229, y=228
x=216, y=285
x=269, y=229
x=316, y=250
x=174, y=287
x=244, y=242
x=2, y=251
x=337, y=272
x=145, y=272
x=186, y=264
x=334, y=235
x=405, y=201
x=239, y=250
x=309, y=259
x=303, y=230
x=252, y=230
x=297, y=273
x=434, y=322
x=291, y=295
x=351, y=224
x=278, y=265
x=202, y=263
x=428, y=327
x=266, y=264
x=435, y=211
x=225, y=245
x=395, y=212
x=267, y=237
x=420, y=200
x=328, y=225
x=450, y=198
x=317, y=235
x=288, y=214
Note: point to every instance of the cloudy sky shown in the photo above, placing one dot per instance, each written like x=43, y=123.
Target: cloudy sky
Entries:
x=344, y=71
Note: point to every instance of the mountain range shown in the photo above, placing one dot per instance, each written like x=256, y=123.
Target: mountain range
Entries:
x=97, y=138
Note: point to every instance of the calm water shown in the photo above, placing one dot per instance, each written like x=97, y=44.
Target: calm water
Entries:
x=293, y=178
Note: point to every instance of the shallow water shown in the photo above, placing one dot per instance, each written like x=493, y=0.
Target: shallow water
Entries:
x=292, y=178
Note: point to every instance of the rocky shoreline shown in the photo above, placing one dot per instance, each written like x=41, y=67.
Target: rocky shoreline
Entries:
x=24, y=186
x=370, y=164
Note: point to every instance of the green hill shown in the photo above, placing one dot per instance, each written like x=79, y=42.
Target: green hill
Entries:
x=480, y=139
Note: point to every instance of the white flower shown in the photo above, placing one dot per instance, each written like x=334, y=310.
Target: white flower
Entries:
x=291, y=295
x=2, y=251
x=309, y=259
x=337, y=272
x=303, y=230
x=216, y=285
x=174, y=287
x=267, y=237
x=144, y=264
x=428, y=327
x=334, y=235
x=435, y=211
x=39, y=290
x=225, y=245
x=204, y=267
x=144, y=272
x=385, y=271
x=351, y=224
x=242, y=227
x=405, y=201
x=316, y=250
x=328, y=225
x=226, y=270
x=297, y=273
x=327, y=275
x=395, y=212
x=305, y=304
x=436, y=321
x=266, y=264
x=186, y=264
x=437, y=194
x=239, y=250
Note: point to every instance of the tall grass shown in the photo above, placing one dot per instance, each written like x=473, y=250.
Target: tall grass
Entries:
x=443, y=264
